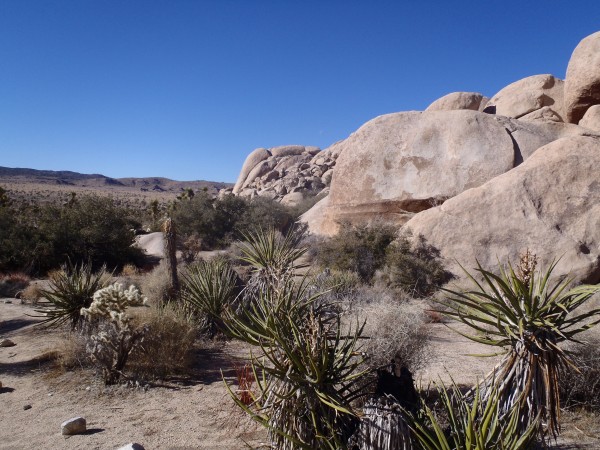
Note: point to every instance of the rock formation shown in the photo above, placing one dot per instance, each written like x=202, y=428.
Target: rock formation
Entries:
x=287, y=173
x=459, y=100
x=582, y=84
x=549, y=204
x=477, y=178
x=528, y=95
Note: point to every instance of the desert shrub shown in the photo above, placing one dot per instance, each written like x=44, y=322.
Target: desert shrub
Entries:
x=357, y=248
x=156, y=284
x=582, y=387
x=414, y=268
x=263, y=213
x=210, y=289
x=71, y=289
x=112, y=336
x=31, y=294
x=396, y=330
x=129, y=270
x=337, y=284
x=71, y=352
x=19, y=240
x=216, y=222
x=168, y=344
x=12, y=283
x=94, y=229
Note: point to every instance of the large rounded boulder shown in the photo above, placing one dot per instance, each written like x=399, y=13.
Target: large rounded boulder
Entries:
x=550, y=204
x=399, y=164
x=582, y=84
x=528, y=95
x=473, y=101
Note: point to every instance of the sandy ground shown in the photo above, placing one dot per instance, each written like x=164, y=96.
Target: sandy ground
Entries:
x=189, y=414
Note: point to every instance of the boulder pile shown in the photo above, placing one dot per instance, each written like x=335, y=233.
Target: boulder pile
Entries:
x=478, y=178
x=287, y=173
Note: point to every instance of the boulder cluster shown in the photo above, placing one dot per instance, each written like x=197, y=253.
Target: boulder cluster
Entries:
x=479, y=178
x=287, y=173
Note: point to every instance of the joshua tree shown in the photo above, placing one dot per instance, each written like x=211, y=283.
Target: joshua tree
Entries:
x=170, y=250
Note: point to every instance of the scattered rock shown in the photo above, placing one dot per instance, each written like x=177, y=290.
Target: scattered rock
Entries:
x=132, y=446
x=76, y=425
x=7, y=343
x=9, y=301
x=582, y=83
x=26, y=407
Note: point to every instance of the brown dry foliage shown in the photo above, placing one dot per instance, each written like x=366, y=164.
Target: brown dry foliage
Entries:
x=168, y=345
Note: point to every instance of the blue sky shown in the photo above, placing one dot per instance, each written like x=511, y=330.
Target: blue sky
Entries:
x=186, y=89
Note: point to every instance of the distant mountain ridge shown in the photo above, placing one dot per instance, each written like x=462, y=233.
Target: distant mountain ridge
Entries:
x=66, y=177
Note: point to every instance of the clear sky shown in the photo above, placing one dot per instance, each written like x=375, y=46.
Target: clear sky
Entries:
x=186, y=89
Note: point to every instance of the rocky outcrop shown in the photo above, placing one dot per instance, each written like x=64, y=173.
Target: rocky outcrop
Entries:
x=287, y=173
x=549, y=204
x=403, y=163
x=528, y=95
x=400, y=164
x=582, y=83
x=253, y=159
x=459, y=100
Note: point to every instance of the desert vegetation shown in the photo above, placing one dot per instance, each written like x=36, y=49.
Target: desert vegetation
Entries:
x=336, y=329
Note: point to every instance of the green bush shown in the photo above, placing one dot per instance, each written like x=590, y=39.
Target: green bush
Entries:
x=88, y=229
x=216, y=222
x=357, y=248
x=415, y=269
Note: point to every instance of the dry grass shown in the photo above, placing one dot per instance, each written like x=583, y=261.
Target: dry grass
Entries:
x=168, y=345
x=12, y=283
x=396, y=328
x=155, y=284
x=31, y=294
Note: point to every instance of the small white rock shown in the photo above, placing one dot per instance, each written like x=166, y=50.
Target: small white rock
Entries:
x=132, y=446
x=76, y=425
x=7, y=343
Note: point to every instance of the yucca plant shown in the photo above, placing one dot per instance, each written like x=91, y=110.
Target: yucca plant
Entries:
x=71, y=289
x=475, y=423
x=210, y=289
x=307, y=371
x=271, y=255
x=525, y=313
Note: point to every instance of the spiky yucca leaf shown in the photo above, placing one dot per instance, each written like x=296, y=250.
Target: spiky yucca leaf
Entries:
x=269, y=251
x=210, y=288
x=529, y=316
x=308, y=370
x=71, y=289
x=476, y=423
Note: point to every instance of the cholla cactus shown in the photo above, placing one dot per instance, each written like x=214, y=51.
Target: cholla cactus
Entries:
x=112, y=301
x=115, y=339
